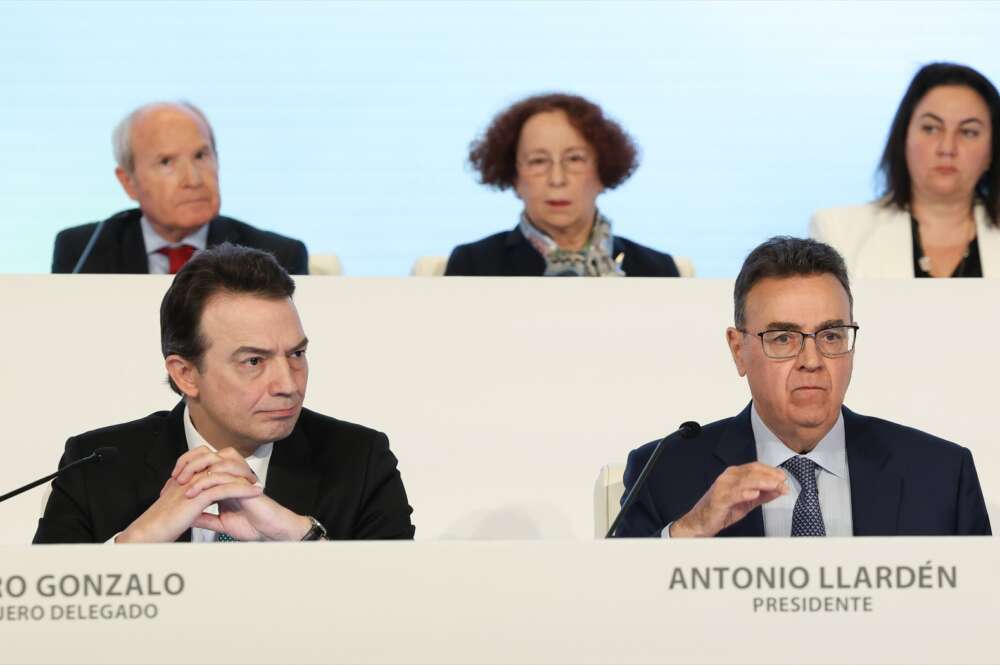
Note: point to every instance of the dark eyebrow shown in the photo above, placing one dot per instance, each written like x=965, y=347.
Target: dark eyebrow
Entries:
x=253, y=350
x=783, y=325
x=267, y=353
x=936, y=118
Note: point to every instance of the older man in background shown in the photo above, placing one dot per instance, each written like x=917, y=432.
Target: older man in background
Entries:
x=167, y=162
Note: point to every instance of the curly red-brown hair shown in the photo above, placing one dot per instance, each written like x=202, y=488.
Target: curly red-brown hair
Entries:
x=494, y=154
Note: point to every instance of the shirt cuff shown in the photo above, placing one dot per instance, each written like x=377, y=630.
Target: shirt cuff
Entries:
x=666, y=531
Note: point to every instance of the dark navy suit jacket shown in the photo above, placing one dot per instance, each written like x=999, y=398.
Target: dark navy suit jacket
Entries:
x=121, y=249
x=903, y=481
x=509, y=254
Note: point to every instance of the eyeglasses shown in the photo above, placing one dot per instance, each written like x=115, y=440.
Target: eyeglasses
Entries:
x=831, y=342
x=574, y=161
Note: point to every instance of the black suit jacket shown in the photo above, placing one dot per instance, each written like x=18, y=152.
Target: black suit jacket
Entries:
x=342, y=474
x=509, y=254
x=120, y=248
x=903, y=481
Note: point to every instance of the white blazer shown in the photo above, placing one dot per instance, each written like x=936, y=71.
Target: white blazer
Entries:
x=876, y=241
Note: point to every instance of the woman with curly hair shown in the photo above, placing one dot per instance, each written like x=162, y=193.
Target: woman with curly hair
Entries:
x=558, y=153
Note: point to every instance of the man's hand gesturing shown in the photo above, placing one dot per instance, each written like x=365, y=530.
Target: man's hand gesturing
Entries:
x=737, y=491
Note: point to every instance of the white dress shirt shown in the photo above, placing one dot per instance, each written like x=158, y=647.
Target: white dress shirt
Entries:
x=158, y=263
x=833, y=481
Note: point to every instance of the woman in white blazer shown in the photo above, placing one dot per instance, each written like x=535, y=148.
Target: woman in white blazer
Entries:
x=938, y=213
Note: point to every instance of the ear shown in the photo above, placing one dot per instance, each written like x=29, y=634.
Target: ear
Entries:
x=736, y=341
x=184, y=374
x=128, y=183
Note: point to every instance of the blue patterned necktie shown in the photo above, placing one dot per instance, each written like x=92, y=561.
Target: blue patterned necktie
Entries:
x=807, y=518
x=224, y=538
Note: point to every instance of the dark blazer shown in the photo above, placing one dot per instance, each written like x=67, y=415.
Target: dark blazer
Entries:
x=904, y=482
x=342, y=474
x=120, y=248
x=509, y=254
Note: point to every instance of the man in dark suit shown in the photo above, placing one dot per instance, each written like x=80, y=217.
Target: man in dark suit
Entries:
x=167, y=162
x=796, y=461
x=238, y=458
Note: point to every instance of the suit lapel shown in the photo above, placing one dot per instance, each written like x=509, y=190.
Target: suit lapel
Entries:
x=888, y=250
x=618, y=249
x=292, y=476
x=989, y=243
x=522, y=258
x=120, y=247
x=875, y=492
x=737, y=446
x=220, y=231
x=134, y=258
x=169, y=443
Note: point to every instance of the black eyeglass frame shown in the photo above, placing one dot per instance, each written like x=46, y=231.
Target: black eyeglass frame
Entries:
x=802, y=340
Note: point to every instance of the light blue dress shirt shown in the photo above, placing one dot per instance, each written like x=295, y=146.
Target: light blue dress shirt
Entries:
x=833, y=480
x=158, y=263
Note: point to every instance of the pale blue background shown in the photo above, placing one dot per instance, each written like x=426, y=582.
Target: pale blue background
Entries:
x=346, y=125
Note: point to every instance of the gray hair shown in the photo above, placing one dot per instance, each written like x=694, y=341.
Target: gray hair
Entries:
x=785, y=256
x=121, y=137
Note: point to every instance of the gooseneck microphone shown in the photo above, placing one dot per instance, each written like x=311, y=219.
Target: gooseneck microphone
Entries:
x=105, y=454
x=687, y=430
x=87, y=250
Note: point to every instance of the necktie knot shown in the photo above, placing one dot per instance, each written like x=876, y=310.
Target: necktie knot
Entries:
x=177, y=256
x=804, y=470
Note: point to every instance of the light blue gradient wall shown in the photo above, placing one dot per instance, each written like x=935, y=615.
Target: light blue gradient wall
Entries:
x=346, y=125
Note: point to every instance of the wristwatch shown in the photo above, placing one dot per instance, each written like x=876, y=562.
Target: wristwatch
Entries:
x=316, y=532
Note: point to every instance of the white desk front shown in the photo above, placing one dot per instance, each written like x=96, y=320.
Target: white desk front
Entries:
x=903, y=600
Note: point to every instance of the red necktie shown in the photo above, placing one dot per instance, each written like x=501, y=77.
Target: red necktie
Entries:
x=177, y=256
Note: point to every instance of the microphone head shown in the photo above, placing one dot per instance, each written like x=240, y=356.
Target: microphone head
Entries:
x=689, y=429
x=106, y=454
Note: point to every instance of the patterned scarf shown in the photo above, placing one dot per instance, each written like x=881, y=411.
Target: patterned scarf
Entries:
x=594, y=260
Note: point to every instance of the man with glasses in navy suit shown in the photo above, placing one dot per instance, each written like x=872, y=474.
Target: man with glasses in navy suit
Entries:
x=796, y=462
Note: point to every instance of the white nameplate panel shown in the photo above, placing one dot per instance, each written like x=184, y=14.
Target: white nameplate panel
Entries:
x=926, y=600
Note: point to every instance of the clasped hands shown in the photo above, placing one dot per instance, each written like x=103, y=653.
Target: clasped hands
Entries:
x=737, y=491
x=202, y=477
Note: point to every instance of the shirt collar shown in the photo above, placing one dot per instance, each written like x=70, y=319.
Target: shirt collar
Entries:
x=195, y=440
x=155, y=242
x=830, y=453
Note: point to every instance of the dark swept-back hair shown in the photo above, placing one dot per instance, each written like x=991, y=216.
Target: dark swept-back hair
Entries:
x=785, y=256
x=897, y=186
x=226, y=268
x=494, y=154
